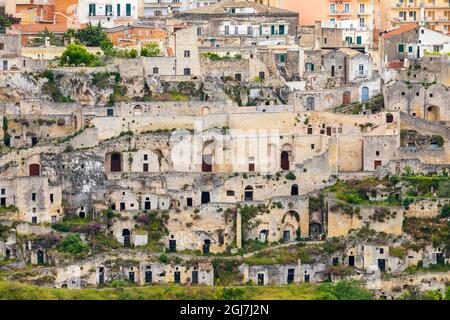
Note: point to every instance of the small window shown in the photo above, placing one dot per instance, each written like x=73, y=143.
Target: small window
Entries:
x=3, y=191
x=230, y=193
x=377, y=153
x=189, y=202
x=145, y=157
x=431, y=95
x=312, y=146
x=401, y=48
x=2, y=46
x=187, y=53
x=109, y=112
x=381, y=250
x=310, y=130
x=33, y=219
x=187, y=71
x=403, y=93
x=33, y=196
x=417, y=94
x=51, y=198
x=155, y=70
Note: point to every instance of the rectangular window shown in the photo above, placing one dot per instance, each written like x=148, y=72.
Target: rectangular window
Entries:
x=362, y=7
x=309, y=67
x=187, y=53
x=236, y=30
x=237, y=77
x=33, y=196
x=227, y=30
x=410, y=49
x=91, y=9
x=51, y=198
x=312, y=146
x=155, y=70
x=401, y=48
x=3, y=191
x=2, y=46
x=281, y=30
x=310, y=130
x=346, y=7
x=109, y=112
x=332, y=8
x=118, y=10
x=108, y=10
x=145, y=167
x=358, y=40
x=187, y=71
x=128, y=9
x=349, y=40
x=199, y=31
x=189, y=202
x=361, y=69
x=272, y=30
x=145, y=157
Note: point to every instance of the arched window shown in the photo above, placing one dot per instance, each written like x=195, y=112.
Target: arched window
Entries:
x=285, y=160
x=248, y=194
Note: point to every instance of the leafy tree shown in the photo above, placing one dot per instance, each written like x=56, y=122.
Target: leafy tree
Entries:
x=107, y=47
x=73, y=244
x=150, y=50
x=77, y=55
x=91, y=36
x=7, y=20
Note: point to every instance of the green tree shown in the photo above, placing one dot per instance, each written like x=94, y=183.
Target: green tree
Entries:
x=107, y=47
x=91, y=36
x=77, y=55
x=73, y=244
x=150, y=50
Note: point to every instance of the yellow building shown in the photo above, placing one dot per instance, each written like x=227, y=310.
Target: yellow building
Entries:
x=434, y=14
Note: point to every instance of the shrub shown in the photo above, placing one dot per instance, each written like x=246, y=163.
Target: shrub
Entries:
x=445, y=211
x=163, y=258
x=290, y=176
x=150, y=50
x=76, y=55
x=73, y=244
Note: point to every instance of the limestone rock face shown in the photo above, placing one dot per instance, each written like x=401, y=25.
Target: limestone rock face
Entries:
x=16, y=86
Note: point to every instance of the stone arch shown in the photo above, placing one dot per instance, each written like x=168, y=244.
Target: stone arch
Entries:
x=205, y=110
x=262, y=236
x=286, y=152
x=34, y=170
x=138, y=111
x=207, y=155
x=329, y=100
x=126, y=235
x=248, y=193
x=389, y=118
x=432, y=113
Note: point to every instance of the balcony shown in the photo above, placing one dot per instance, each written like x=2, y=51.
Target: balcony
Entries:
x=340, y=13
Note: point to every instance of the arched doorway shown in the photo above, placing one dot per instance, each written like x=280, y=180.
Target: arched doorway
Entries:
x=35, y=170
x=137, y=111
x=263, y=235
x=207, y=155
x=315, y=231
x=126, y=234
x=347, y=97
x=365, y=94
x=116, y=162
x=389, y=118
x=294, y=190
x=433, y=113
x=8, y=253
x=248, y=193
x=285, y=160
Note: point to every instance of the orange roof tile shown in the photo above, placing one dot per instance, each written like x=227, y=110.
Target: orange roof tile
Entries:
x=35, y=28
x=400, y=30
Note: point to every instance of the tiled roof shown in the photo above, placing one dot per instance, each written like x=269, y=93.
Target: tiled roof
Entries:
x=400, y=30
x=35, y=28
x=221, y=7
